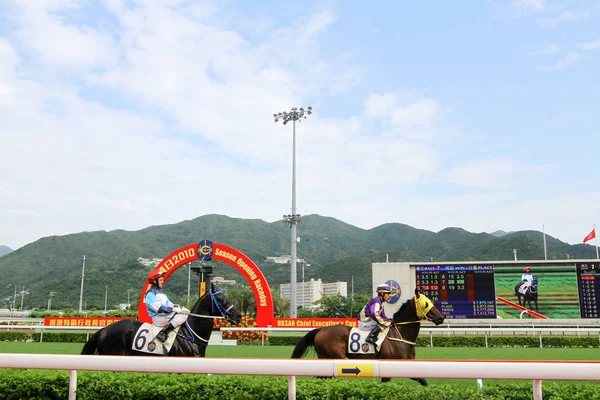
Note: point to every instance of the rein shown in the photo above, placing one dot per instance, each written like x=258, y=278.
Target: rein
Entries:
x=214, y=305
x=400, y=338
x=421, y=311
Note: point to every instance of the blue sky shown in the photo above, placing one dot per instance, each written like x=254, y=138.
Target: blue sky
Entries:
x=124, y=114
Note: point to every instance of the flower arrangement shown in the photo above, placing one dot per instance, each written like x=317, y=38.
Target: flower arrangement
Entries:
x=241, y=336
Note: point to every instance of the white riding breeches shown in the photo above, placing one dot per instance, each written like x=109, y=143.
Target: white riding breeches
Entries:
x=367, y=326
x=164, y=319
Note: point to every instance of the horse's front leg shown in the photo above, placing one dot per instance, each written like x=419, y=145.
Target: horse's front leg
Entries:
x=422, y=381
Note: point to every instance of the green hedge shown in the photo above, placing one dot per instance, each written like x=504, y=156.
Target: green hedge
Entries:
x=34, y=384
x=14, y=336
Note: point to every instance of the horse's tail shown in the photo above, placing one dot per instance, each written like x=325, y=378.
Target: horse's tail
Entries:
x=304, y=343
x=91, y=345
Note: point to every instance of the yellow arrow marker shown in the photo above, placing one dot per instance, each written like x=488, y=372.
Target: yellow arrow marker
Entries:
x=355, y=370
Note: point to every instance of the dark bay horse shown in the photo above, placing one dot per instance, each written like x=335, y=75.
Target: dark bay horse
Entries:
x=531, y=294
x=332, y=341
x=191, y=340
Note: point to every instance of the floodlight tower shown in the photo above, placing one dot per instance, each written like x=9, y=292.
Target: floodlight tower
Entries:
x=293, y=219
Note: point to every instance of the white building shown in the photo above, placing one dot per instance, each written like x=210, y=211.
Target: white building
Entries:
x=309, y=292
x=285, y=259
x=222, y=281
x=149, y=262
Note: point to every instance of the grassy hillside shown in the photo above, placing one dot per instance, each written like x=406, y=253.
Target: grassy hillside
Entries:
x=335, y=251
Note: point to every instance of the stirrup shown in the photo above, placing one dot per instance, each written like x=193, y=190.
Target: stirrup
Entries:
x=162, y=336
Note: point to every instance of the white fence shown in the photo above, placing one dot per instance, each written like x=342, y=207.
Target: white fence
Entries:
x=485, y=331
x=518, y=370
x=454, y=331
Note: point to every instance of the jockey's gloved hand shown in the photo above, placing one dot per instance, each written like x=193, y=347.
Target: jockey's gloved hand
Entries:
x=184, y=311
x=176, y=309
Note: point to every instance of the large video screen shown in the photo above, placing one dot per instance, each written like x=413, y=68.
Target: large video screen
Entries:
x=564, y=290
x=459, y=291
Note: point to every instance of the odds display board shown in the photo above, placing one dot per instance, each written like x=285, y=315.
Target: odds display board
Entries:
x=565, y=289
x=588, y=284
x=459, y=291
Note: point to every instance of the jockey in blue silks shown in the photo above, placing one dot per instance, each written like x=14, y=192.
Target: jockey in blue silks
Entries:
x=373, y=315
x=162, y=311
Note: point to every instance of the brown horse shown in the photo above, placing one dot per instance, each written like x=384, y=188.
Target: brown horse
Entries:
x=399, y=343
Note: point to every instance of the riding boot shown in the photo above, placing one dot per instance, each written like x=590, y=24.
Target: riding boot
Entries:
x=372, y=337
x=163, y=335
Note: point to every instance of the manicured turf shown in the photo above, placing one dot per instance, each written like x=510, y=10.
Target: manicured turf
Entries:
x=423, y=353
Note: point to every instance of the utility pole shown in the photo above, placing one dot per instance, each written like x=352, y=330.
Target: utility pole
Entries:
x=105, y=297
x=545, y=248
x=22, y=296
x=189, y=280
x=81, y=292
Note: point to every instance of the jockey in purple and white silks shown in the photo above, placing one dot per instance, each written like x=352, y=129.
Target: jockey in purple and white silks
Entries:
x=527, y=280
x=162, y=311
x=373, y=316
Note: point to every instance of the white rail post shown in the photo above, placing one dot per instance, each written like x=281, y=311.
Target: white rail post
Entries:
x=72, y=384
x=537, y=389
x=292, y=387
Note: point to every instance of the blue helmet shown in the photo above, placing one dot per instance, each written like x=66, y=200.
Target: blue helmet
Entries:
x=384, y=288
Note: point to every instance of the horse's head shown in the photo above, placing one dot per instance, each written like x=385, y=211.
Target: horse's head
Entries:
x=418, y=309
x=222, y=307
x=426, y=309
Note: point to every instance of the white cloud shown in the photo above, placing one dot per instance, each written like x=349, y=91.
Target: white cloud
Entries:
x=566, y=62
x=563, y=17
x=318, y=22
x=421, y=113
x=547, y=49
x=593, y=45
x=527, y=6
x=58, y=43
x=490, y=174
x=380, y=105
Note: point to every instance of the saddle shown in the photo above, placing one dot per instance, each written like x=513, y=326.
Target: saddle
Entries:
x=145, y=340
x=358, y=345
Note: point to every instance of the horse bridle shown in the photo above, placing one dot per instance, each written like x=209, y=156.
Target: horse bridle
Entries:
x=214, y=304
x=420, y=309
x=224, y=311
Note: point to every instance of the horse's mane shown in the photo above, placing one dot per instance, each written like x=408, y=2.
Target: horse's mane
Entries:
x=404, y=309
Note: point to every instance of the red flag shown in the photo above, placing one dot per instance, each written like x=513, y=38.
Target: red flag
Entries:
x=591, y=236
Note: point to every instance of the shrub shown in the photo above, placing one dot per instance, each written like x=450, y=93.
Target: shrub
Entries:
x=241, y=336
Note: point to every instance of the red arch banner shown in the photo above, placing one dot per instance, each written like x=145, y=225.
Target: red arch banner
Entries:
x=207, y=250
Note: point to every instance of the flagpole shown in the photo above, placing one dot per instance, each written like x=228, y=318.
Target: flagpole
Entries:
x=596, y=242
x=545, y=248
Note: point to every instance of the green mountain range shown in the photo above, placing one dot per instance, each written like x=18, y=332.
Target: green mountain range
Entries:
x=333, y=251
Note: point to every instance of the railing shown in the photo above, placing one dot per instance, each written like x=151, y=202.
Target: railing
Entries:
x=488, y=331
x=517, y=370
x=453, y=331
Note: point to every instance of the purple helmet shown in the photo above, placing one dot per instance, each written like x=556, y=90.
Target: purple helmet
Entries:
x=384, y=288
